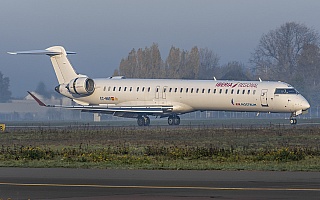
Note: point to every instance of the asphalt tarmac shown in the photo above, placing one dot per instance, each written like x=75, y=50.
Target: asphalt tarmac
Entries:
x=30, y=183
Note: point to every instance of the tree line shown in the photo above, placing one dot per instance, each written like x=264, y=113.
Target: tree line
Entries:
x=198, y=63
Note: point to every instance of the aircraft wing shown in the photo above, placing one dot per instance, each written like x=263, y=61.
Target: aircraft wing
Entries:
x=111, y=109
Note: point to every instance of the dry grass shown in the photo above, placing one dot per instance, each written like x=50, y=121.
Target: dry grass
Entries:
x=271, y=148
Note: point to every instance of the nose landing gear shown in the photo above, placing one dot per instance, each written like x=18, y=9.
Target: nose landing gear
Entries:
x=293, y=119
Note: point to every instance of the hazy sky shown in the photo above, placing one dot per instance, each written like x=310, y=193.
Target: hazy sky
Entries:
x=103, y=32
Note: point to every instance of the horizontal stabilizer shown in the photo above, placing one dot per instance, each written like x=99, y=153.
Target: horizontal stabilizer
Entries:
x=61, y=65
x=41, y=52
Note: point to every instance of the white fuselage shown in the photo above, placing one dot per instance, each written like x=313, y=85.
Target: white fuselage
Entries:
x=192, y=95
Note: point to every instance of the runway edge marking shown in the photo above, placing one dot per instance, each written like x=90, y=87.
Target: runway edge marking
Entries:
x=159, y=187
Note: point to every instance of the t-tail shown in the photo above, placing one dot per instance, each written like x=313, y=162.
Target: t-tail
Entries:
x=68, y=79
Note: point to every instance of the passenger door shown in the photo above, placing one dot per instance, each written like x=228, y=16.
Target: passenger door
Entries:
x=164, y=92
x=264, y=98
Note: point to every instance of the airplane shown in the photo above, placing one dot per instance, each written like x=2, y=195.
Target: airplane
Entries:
x=141, y=98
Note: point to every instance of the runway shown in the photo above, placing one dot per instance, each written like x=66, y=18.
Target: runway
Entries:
x=30, y=183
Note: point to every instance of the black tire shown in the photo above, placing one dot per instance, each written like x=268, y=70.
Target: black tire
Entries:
x=293, y=121
x=140, y=121
x=176, y=120
x=170, y=120
x=146, y=121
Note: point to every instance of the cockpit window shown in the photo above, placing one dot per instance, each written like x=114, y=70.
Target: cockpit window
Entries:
x=286, y=91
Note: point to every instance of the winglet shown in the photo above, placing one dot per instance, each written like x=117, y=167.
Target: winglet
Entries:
x=37, y=100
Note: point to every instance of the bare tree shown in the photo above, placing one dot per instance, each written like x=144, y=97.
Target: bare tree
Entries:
x=235, y=71
x=309, y=64
x=209, y=64
x=128, y=65
x=116, y=72
x=276, y=55
x=156, y=66
x=173, y=63
x=307, y=77
x=192, y=65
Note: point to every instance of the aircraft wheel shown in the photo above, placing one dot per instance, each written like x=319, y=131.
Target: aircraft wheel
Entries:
x=176, y=120
x=293, y=121
x=170, y=120
x=146, y=121
x=140, y=121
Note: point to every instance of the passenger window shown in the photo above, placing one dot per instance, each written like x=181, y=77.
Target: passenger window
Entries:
x=170, y=89
x=187, y=89
x=137, y=89
x=232, y=91
x=248, y=91
x=142, y=89
x=238, y=91
x=148, y=89
x=197, y=91
x=254, y=92
x=214, y=91
x=209, y=90
x=175, y=89
x=130, y=89
x=181, y=89
x=220, y=91
x=109, y=88
x=125, y=89
x=243, y=91
x=104, y=89
x=191, y=90
x=119, y=89
x=114, y=88
x=157, y=90
x=164, y=89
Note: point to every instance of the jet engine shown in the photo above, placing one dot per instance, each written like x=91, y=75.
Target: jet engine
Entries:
x=81, y=86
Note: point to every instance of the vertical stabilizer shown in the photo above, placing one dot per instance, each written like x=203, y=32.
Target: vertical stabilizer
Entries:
x=61, y=65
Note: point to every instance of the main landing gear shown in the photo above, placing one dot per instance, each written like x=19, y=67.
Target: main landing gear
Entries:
x=173, y=120
x=143, y=121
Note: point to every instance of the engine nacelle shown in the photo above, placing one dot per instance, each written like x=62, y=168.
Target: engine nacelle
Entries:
x=81, y=86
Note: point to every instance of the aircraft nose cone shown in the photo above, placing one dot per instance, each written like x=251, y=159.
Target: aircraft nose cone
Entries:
x=305, y=105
